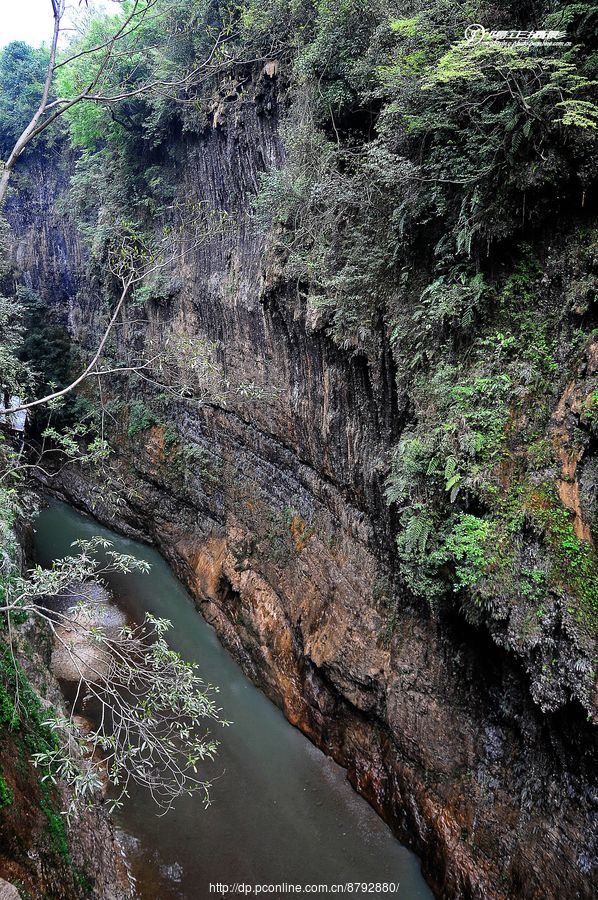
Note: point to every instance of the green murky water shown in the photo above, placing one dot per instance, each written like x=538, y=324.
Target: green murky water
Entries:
x=281, y=812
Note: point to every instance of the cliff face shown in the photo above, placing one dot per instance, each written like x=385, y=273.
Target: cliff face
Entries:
x=46, y=249
x=272, y=511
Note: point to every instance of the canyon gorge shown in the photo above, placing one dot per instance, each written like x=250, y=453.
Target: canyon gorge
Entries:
x=463, y=710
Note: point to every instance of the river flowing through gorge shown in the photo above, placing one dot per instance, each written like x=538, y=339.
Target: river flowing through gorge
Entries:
x=313, y=325
x=282, y=811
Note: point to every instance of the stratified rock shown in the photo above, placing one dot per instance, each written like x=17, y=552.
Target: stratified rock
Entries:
x=278, y=523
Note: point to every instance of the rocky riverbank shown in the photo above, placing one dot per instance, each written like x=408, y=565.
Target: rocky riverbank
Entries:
x=42, y=854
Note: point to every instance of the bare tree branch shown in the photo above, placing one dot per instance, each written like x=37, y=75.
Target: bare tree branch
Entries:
x=49, y=111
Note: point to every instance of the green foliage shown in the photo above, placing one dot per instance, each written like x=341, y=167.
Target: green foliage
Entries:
x=467, y=468
x=6, y=794
x=418, y=527
x=574, y=561
x=85, y=882
x=12, y=372
x=159, y=45
x=29, y=717
x=407, y=27
x=9, y=560
x=578, y=113
x=590, y=411
x=193, y=461
x=140, y=418
x=22, y=73
x=470, y=546
x=55, y=823
x=36, y=357
x=492, y=110
x=451, y=302
x=404, y=135
x=6, y=707
x=48, y=360
x=46, y=346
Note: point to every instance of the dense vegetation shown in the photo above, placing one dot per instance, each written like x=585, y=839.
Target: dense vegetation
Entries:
x=22, y=73
x=422, y=171
x=424, y=179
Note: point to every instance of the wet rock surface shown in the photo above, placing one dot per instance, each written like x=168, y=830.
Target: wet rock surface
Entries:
x=8, y=891
x=75, y=654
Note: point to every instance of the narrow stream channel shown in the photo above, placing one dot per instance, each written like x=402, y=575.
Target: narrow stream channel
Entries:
x=281, y=811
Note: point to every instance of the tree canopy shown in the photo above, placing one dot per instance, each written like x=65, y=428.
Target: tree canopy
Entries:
x=22, y=72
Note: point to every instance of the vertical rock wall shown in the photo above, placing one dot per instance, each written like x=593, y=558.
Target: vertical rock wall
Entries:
x=277, y=523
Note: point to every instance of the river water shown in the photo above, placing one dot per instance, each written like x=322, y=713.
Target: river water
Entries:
x=282, y=812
